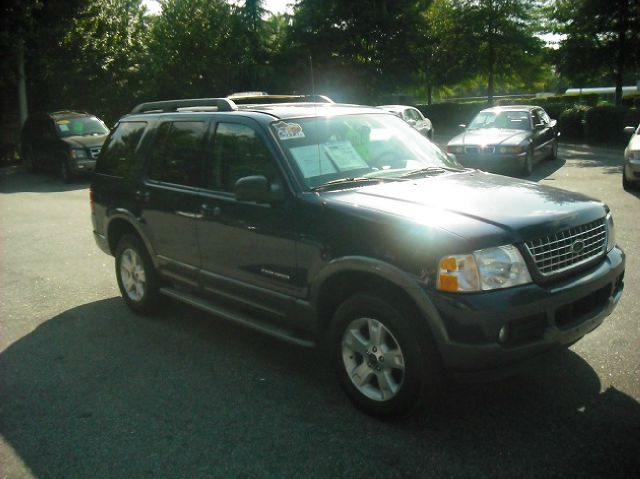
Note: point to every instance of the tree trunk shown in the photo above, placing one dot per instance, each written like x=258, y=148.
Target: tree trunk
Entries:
x=22, y=84
x=622, y=32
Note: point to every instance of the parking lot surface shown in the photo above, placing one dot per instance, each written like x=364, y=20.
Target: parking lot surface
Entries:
x=88, y=389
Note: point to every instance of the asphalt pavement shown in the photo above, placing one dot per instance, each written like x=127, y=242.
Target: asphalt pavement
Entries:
x=88, y=389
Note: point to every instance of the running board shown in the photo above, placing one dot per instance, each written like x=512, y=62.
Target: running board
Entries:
x=243, y=319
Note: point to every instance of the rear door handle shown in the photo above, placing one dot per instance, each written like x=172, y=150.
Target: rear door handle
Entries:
x=187, y=214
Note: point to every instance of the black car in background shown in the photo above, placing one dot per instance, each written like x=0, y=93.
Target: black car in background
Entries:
x=507, y=139
x=65, y=142
x=321, y=223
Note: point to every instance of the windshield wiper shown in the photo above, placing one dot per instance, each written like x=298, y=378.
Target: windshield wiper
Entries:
x=352, y=180
x=432, y=170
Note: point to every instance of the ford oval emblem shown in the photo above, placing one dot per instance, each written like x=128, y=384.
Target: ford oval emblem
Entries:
x=577, y=247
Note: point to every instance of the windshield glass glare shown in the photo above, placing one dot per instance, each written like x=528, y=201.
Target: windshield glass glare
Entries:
x=515, y=120
x=324, y=149
x=80, y=126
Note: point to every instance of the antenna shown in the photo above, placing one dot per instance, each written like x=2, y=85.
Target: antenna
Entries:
x=313, y=81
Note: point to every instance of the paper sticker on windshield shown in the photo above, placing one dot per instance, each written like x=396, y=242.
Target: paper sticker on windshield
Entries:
x=62, y=122
x=288, y=131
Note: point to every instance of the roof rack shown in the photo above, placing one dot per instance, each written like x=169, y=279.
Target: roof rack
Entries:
x=241, y=99
x=222, y=104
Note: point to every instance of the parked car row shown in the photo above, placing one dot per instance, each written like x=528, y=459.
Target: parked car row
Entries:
x=508, y=140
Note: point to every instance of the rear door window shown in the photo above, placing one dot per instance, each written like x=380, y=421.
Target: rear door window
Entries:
x=118, y=153
x=177, y=153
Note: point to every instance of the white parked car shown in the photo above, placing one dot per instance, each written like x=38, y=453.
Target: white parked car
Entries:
x=413, y=117
x=631, y=171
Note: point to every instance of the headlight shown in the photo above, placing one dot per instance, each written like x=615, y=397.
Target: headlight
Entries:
x=483, y=270
x=79, y=154
x=511, y=149
x=611, y=232
x=455, y=149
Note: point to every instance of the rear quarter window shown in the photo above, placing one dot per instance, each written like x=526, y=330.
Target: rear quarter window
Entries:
x=118, y=153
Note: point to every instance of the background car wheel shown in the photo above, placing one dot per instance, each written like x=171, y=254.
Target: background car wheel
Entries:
x=65, y=173
x=554, y=151
x=385, y=359
x=136, y=275
x=527, y=167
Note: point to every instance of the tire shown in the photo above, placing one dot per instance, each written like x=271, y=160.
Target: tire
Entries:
x=554, y=151
x=27, y=159
x=365, y=329
x=527, y=166
x=137, y=278
x=65, y=173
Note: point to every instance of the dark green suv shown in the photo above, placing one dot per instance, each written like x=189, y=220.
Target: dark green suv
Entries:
x=320, y=221
x=65, y=142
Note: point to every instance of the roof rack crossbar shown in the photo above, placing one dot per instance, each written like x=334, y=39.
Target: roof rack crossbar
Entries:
x=223, y=104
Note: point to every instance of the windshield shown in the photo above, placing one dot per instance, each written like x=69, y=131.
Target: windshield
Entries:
x=80, y=126
x=514, y=120
x=325, y=149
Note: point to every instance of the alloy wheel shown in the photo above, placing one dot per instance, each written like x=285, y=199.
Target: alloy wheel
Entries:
x=132, y=274
x=373, y=359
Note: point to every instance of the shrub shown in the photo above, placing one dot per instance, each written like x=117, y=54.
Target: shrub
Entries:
x=605, y=123
x=447, y=116
x=571, y=122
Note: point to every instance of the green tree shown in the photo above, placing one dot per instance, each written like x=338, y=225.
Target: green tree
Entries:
x=601, y=40
x=196, y=48
x=501, y=42
x=359, y=49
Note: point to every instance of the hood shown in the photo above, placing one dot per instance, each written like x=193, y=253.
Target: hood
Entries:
x=490, y=136
x=477, y=206
x=88, y=141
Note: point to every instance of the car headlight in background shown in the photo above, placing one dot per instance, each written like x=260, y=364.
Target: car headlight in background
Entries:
x=611, y=232
x=79, y=154
x=511, y=150
x=455, y=149
x=483, y=270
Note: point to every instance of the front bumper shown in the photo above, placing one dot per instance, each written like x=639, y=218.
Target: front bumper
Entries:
x=537, y=318
x=80, y=167
x=632, y=170
x=492, y=162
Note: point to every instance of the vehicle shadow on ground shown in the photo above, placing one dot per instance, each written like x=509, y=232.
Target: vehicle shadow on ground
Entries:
x=99, y=392
x=14, y=179
x=582, y=156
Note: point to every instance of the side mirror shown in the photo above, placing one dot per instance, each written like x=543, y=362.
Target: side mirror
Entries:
x=629, y=130
x=257, y=188
x=553, y=123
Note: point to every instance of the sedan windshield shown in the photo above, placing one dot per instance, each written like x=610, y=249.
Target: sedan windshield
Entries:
x=513, y=120
x=80, y=126
x=371, y=146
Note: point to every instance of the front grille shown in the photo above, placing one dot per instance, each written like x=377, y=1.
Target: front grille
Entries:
x=482, y=150
x=95, y=151
x=569, y=248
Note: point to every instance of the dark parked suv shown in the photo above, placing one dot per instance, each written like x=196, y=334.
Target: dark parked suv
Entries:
x=65, y=142
x=320, y=221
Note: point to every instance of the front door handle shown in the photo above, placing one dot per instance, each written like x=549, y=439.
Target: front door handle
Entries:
x=207, y=210
x=142, y=196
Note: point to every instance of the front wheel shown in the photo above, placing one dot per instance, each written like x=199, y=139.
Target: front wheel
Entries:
x=384, y=357
x=554, y=151
x=65, y=172
x=136, y=275
x=527, y=166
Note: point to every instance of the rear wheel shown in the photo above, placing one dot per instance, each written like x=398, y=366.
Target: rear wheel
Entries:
x=385, y=359
x=137, y=278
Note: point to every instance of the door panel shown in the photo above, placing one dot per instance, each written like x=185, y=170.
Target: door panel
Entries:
x=247, y=249
x=170, y=200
